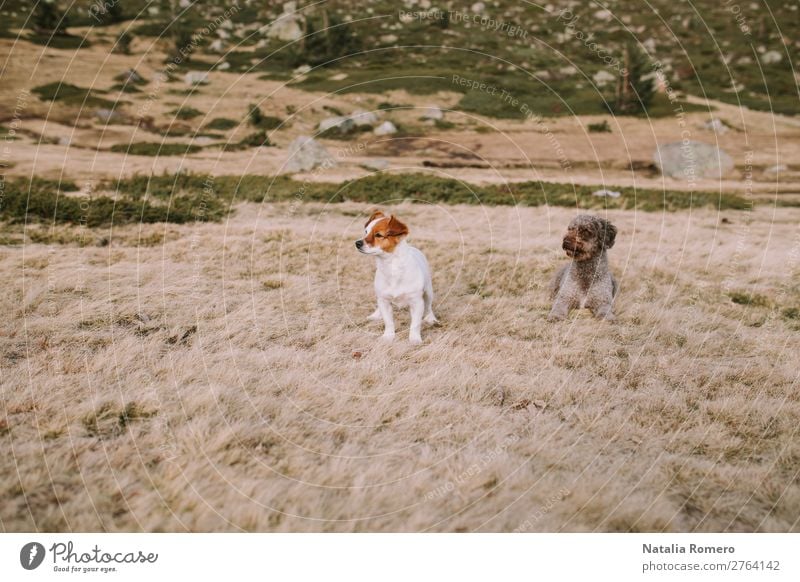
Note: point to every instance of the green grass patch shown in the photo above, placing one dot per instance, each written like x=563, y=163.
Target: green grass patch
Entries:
x=59, y=41
x=155, y=149
x=221, y=124
x=751, y=299
x=44, y=201
x=601, y=127
x=381, y=188
x=186, y=113
x=71, y=95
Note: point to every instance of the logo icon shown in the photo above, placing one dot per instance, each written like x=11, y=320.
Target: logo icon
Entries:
x=31, y=555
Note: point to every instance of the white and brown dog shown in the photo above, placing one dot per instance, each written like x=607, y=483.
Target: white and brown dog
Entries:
x=402, y=278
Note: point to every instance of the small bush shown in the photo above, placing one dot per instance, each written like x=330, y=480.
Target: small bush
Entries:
x=601, y=127
x=186, y=113
x=256, y=118
x=71, y=95
x=221, y=124
x=752, y=299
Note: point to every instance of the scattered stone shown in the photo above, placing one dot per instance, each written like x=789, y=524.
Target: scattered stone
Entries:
x=131, y=77
x=361, y=117
x=774, y=171
x=339, y=77
x=771, y=57
x=433, y=112
x=196, y=78
x=716, y=125
x=344, y=124
x=692, y=159
x=604, y=15
x=607, y=193
x=217, y=46
x=376, y=164
x=385, y=128
x=302, y=70
x=478, y=8
x=305, y=154
x=388, y=38
x=287, y=26
x=106, y=115
x=223, y=66
x=602, y=78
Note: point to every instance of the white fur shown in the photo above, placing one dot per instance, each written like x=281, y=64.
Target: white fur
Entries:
x=402, y=279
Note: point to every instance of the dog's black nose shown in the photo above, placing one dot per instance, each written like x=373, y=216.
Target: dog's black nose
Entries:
x=359, y=244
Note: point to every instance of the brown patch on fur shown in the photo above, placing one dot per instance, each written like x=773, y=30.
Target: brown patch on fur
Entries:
x=386, y=234
x=374, y=215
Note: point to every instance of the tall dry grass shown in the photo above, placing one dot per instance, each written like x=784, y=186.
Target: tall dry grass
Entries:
x=224, y=377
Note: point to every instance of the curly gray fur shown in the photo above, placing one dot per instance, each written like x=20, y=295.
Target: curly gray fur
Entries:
x=587, y=280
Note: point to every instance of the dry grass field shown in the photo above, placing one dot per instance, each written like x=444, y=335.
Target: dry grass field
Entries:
x=223, y=377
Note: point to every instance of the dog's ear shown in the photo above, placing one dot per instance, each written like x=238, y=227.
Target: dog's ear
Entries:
x=608, y=233
x=376, y=214
x=395, y=227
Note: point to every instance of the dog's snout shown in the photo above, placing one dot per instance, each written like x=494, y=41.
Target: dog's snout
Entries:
x=569, y=243
x=359, y=243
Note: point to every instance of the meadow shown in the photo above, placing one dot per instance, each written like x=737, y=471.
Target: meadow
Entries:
x=223, y=377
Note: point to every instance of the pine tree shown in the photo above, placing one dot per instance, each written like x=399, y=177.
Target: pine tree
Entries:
x=48, y=18
x=635, y=88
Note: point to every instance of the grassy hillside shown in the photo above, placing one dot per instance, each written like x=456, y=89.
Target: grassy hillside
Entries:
x=545, y=57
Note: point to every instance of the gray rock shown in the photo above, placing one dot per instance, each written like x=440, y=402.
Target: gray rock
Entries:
x=375, y=164
x=773, y=171
x=716, y=126
x=385, y=128
x=287, y=26
x=132, y=77
x=433, y=112
x=607, y=193
x=196, y=78
x=602, y=78
x=771, y=57
x=692, y=159
x=344, y=124
x=361, y=117
x=107, y=115
x=305, y=154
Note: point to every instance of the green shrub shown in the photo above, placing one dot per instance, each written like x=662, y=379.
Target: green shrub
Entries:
x=221, y=124
x=71, y=95
x=752, y=299
x=256, y=118
x=601, y=127
x=44, y=200
x=186, y=113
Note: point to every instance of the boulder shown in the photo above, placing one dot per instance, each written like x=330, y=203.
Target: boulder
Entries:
x=716, y=125
x=287, y=27
x=433, y=112
x=607, y=193
x=385, y=128
x=692, y=159
x=305, y=154
x=196, y=78
x=376, y=164
x=344, y=124
x=771, y=57
x=602, y=78
x=361, y=117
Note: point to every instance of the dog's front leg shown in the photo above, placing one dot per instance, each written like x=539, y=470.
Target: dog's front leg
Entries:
x=603, y=311
x=385, y=307
x=560, y=308
x=417, y=306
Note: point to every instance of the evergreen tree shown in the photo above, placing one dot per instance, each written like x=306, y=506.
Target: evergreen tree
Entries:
x=635, y=87
x=48, y=18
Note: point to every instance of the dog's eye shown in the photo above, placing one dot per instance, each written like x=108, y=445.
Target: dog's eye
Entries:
x=378, y=235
